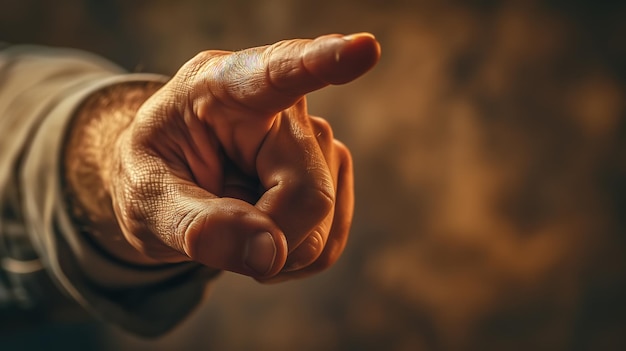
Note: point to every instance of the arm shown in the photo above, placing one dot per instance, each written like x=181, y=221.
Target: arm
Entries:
x=221, y=167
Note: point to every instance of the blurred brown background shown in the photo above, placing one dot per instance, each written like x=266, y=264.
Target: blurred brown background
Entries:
x=490, y=155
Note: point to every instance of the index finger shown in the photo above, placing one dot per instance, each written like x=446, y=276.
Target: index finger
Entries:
x=269, y=79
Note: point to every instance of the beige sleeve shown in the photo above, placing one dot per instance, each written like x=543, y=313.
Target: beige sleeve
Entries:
x=40, y=89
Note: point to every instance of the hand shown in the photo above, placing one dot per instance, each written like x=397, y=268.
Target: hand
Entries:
x=224, y=166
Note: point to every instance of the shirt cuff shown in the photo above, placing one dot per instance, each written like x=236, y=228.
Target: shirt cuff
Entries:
x=143, y=300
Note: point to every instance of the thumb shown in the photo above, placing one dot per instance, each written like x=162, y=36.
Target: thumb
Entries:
x=171, y=218
x=230, y=234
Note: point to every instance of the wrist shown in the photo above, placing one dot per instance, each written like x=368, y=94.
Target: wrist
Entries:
x=88, y=152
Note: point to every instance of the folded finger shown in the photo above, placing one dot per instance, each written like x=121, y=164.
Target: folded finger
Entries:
x=299, y=185
x=339, y=232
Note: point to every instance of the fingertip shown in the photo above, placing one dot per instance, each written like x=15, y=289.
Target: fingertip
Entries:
x=366, y=41
x=260, y=253
x=339, y=59
x=362, y=47
x=232, y=235
x=265, y=254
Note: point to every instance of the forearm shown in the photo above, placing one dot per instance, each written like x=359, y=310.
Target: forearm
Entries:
x=92, y=136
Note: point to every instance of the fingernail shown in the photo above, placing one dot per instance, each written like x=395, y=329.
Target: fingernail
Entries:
x=260, y=252
x=358, y=35
x=353, y=39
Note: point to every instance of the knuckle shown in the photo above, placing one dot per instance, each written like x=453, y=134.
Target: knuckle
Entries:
x=191, y=68
x=198, y=61
x=281, y=65
x=279, y=45
x=313, y=246
x=323, y=130
x=271, y=50
x=345, y=156
x=190, y=72
x=318, y=200
x=202, y=56
x=281, y=51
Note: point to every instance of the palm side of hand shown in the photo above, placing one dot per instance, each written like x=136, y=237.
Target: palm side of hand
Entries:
x=224, y=165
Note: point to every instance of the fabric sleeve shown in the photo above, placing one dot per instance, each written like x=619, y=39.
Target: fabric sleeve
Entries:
x=40, y=89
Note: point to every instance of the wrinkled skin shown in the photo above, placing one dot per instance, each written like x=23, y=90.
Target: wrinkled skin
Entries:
x=224, y=166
